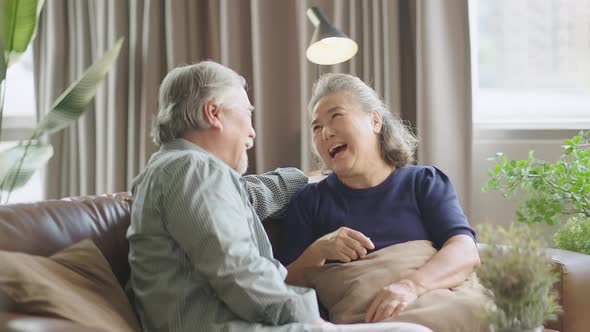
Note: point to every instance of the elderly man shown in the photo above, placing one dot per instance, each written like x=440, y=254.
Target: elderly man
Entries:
x=200, y=259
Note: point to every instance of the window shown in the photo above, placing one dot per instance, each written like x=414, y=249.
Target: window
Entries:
x=20, y=119
x=19, y=106
x=531, y=63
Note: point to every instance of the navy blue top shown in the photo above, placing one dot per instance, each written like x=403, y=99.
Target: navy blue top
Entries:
x=413, y=203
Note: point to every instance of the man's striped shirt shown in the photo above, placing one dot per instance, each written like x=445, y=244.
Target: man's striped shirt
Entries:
x=200, y=258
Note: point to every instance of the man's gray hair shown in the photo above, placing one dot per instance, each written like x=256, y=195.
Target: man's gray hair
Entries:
x=398, y=143
x=183, y=93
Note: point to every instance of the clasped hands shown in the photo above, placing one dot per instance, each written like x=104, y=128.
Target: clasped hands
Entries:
x=347, y=245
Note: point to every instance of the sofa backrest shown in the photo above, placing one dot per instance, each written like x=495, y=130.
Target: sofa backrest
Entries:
x=46, y=227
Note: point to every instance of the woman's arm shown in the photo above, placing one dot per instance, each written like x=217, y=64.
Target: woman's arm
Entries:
x=343, y=245
x=449, y=230
x=448, y=268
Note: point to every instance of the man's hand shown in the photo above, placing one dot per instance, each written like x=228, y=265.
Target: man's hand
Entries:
x=343, y=245
x=391, y=300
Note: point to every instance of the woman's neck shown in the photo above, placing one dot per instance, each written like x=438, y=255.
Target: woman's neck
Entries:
x=367, y=179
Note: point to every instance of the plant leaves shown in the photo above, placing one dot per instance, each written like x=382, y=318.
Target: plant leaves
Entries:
x=37, y=155
x=40, y=4
x=551, y=191
x=497, y=169
x=72, y=103
x=577, y=139
x=2, y=57
x=19, y=26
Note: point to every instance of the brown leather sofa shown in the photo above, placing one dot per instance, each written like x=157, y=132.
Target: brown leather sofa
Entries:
x=46, y=227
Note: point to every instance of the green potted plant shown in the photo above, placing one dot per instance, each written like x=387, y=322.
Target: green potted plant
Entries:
x=519, y=275
x=574, y=235
x=17, y=29
x=553, y=192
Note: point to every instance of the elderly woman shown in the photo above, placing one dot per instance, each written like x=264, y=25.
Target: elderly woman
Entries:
x=374, y=198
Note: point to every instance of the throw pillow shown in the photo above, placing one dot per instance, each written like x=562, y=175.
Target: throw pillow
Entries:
x=347, y=290
x=76, y=284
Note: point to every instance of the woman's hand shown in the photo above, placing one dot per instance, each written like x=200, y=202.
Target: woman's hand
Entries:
x=391, y=300
x=343, y=245
x=449, y=267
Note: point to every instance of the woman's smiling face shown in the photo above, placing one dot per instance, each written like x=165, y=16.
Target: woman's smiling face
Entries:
x=345, y=136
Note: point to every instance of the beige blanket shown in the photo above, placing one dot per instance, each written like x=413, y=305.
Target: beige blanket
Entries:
x=346, y=290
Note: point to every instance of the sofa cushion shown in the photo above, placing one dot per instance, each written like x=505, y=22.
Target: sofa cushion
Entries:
x=347, y=290
x=75, y=284
x=46, y=227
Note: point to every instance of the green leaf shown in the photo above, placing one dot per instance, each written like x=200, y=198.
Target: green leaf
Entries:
x=551, y=221
x=2, y=58
x=577, y=139
x=497, y=169
x=73, y=102
x=493, y=183
x=19, y=24
x=37, y=156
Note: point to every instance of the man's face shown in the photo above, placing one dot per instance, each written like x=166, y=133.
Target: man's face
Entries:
x=237, y=129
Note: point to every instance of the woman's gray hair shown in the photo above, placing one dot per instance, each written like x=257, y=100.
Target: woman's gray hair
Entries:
x=398, y=142
x=183, y=93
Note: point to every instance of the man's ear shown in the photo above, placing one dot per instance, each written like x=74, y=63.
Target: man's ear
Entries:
x=211, y=114
x=376, y=122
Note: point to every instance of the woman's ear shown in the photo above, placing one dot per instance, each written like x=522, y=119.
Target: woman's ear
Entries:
x=376, y=122
x=212, y=114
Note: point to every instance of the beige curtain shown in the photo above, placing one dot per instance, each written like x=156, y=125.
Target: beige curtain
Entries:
x=109, y=144
x=443, y=90
x=414, y=53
